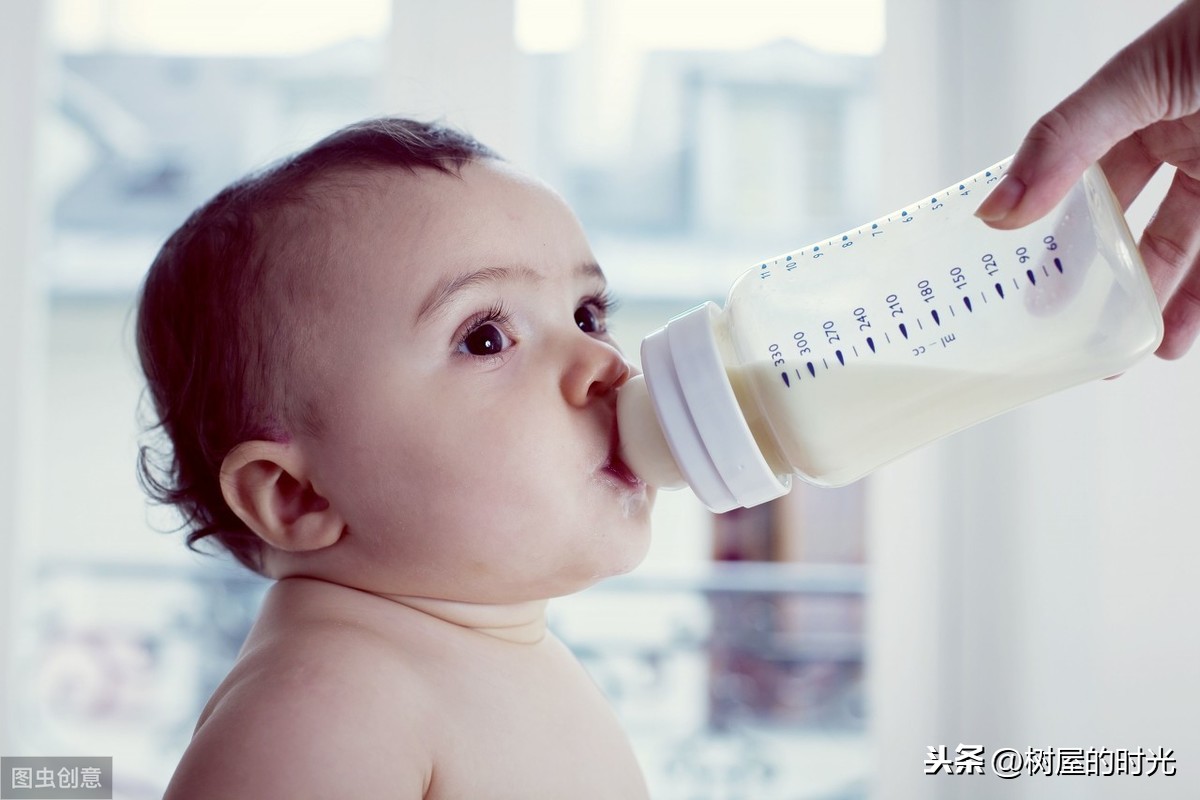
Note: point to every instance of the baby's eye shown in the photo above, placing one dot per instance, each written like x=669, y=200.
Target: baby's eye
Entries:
x=485, y=340
x=591, y=317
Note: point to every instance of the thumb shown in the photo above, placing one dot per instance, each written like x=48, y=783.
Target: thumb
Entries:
x=1130, y=92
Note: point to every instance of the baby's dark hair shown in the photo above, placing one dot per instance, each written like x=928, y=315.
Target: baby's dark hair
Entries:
x=219, y=319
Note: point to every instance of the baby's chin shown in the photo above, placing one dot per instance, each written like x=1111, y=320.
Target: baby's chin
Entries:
x=633, y=553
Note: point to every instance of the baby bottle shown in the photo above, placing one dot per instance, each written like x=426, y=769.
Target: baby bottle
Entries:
x=832, y=360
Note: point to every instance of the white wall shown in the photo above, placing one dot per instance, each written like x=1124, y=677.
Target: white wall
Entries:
x=457, y=60
x=21, y=310
x=1032, y=578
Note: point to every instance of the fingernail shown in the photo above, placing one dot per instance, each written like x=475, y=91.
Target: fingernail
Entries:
x=1003, y=199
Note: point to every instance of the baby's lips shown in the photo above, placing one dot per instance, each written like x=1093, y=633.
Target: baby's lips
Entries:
x=622, y=471
x=615, y=463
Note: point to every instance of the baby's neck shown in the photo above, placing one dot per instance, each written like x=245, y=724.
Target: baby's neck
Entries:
x=521, y=623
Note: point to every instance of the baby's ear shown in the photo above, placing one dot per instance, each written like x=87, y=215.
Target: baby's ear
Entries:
x=267, y=485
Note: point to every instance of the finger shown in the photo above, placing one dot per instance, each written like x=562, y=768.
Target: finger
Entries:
x=1181, y=317
x=1058, y=148
x=1129, y=166
x=1171, y=242
x=1126, y=95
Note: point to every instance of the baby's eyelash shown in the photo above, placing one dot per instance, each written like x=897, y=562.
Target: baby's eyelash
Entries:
x=497, y=313
x=606, y=301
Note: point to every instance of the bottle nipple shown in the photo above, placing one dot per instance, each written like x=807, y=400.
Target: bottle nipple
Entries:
x=644, y=448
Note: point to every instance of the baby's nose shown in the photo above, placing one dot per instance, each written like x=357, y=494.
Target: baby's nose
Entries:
x=595, y=369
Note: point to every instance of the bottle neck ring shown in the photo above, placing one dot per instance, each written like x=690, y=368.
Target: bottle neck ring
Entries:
x=696, y=407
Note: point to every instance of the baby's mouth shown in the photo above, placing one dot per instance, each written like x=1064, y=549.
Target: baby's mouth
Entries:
x=616, y=467
x=622, y=472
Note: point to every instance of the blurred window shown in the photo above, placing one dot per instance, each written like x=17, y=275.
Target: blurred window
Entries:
x=693, y=138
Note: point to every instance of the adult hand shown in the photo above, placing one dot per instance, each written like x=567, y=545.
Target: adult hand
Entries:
x=1141, y=110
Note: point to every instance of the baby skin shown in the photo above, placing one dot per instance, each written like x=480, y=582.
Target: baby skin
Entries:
x=339, y=695
x=464, y=471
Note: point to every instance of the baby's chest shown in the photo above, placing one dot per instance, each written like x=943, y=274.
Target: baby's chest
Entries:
x=549, y=737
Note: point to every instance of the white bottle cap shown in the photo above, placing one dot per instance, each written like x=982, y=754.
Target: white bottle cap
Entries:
x=700, y=417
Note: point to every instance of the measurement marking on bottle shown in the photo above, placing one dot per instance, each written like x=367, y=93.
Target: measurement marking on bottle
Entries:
x=812, y=370
x=1045, y=270
x=1029, y=274
x=903, y=330
x=887, y=337
x=1058, y=264
x=934, y=314
x=952, y=311
x=840, y=359
x=871, y=344
x=1015, y=284
x=1000, y=291
x=826, y=363
x=855, y=349
x=967, y=303
x=984, y=296
x=798, y=375
x=919, y=325
x=786, y=382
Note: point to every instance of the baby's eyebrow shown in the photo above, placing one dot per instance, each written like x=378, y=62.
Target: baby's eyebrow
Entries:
x=592, y=270
x=445, y=290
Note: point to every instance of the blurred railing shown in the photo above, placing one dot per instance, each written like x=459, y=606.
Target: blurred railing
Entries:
x=734, y=680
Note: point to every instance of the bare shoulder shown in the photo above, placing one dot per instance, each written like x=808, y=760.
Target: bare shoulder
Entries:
x=314, y=708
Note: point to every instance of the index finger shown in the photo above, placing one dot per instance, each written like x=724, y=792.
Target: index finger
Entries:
x=1132, y=90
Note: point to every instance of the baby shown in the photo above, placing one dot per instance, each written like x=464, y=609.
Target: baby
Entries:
x=384, y=369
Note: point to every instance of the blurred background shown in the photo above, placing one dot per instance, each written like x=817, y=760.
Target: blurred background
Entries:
x=1023, y=584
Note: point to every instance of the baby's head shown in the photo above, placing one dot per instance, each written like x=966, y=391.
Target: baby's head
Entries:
x=384, y=362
